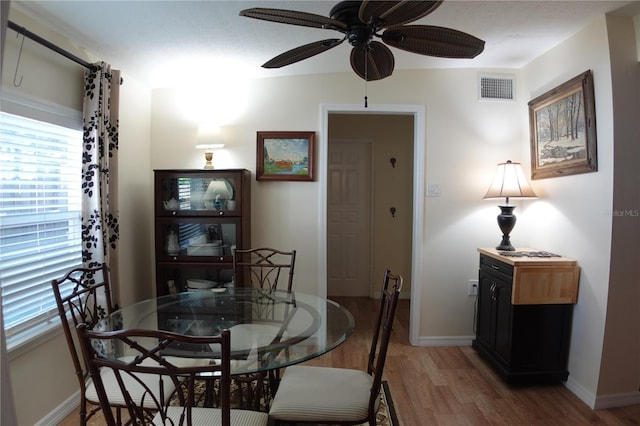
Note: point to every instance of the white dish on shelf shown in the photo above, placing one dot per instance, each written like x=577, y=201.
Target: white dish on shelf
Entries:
x=196, y=283
x=218, y=289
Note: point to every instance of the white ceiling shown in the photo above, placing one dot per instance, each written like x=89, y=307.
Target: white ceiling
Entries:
x=168, y=42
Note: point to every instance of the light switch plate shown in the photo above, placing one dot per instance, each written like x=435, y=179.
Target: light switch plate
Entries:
x=433, y=190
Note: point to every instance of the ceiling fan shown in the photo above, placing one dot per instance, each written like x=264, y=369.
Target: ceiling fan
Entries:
x=361, y=22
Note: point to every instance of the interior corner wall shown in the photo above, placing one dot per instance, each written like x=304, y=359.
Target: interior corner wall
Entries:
x=135, y=202
x=573, y=216
x=620, y=369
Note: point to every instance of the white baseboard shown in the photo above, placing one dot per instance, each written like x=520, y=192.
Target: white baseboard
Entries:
x=616, y=400
x=581, y=392
x=599, y=402
x=446, y=341
x=61, y=411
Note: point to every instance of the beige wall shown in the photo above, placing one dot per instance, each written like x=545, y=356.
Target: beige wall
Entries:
x=464, y=141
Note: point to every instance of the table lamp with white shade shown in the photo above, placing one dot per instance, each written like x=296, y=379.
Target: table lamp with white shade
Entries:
x=508, y=182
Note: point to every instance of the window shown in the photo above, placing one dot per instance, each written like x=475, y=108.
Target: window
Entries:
x=40, y=217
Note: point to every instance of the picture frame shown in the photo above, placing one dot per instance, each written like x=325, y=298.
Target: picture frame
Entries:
x=563, y=129
x=285, y=156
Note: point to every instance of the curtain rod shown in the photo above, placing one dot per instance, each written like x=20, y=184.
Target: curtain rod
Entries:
x=26, y=33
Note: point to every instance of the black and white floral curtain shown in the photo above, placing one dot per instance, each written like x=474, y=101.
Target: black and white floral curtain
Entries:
x=100, y=226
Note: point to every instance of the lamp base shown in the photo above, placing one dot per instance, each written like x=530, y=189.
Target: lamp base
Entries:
x=208, y=155
x=505, y=244
x=506, y=222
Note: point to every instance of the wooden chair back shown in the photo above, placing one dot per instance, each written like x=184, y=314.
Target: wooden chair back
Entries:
x=145, y=356
x=389, y=296
x=83, y=295
x=264, y=268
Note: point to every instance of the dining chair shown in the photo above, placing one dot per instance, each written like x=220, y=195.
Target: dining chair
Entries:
x=83, y=296
x=262, y=268
x=309, y=394
x=146, y=350
x=265, y=268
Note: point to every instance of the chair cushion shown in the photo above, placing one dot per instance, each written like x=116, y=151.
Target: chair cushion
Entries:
x=322, y=394
x=213, y=417
x=114, y=395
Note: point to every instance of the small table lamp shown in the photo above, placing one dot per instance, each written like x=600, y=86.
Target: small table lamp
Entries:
x=208, y=153
x=509, y=182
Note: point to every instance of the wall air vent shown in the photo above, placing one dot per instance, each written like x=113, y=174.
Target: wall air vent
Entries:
x=496, y=87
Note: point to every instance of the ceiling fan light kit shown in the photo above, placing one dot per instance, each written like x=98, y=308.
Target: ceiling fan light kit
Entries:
x=361, y=22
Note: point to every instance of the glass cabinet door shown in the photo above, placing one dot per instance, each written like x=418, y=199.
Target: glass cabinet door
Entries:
x=179, y=278
x=198, y=193
x=197, y=237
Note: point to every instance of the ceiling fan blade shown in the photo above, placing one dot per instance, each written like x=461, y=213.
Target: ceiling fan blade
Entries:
x=434, y=41
x=294, y=18
x=374, y=64
x=390, y=13
x=302, y=52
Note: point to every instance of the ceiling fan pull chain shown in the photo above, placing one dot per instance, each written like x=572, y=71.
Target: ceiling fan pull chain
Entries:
x=366, y=78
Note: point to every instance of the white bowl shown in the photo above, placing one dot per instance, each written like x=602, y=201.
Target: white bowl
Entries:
x=196, y=283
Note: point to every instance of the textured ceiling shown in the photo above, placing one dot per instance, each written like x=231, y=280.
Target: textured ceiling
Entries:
x=166, y=42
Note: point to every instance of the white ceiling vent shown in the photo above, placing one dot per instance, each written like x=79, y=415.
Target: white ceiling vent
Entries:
x=496, y=87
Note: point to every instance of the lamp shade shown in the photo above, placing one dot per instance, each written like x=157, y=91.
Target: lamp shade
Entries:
x=217, y=190
x=509, y=182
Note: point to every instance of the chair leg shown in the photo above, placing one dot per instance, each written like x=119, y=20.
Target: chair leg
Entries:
x=83, y=411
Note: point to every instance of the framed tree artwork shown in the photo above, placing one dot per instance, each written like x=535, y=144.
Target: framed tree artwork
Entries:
x=285, y=156
x=563, y=129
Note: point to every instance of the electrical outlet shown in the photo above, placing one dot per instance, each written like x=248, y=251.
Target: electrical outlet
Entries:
x=473, y=288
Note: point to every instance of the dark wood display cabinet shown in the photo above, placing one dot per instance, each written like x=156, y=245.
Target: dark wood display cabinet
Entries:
x=525, y=309
x=200, y=216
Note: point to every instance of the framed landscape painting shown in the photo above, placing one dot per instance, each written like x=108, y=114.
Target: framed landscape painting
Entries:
x=285, y=156
x=563, y=130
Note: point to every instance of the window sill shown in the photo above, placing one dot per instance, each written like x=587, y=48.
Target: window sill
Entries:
x=28, y=341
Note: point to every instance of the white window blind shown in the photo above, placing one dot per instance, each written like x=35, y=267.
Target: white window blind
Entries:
x=40, y=217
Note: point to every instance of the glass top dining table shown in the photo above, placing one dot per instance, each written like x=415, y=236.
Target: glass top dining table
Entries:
x=269, y=329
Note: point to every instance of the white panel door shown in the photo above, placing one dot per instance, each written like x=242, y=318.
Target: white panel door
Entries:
x=349, y=219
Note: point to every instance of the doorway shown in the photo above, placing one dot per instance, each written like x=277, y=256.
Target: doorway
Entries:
x=417, y=195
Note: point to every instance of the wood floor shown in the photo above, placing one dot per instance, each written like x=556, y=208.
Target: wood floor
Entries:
x=452, y=385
